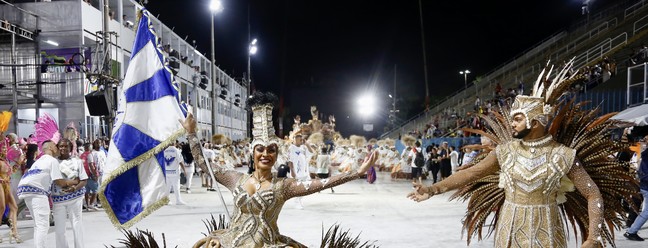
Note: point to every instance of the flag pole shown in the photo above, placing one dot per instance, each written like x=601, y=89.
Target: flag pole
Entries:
x=211, y=174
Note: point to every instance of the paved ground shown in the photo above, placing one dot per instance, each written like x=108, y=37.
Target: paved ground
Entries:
x=377, y=212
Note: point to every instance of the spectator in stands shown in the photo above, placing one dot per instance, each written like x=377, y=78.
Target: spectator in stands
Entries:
x=643, y=52
x=498, y=89
x=477, y=103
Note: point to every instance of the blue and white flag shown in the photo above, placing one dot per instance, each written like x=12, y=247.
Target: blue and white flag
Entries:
x=134, y=183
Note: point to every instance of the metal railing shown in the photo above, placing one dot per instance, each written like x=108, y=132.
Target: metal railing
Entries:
x=634, y=8
x=637, y=89
x=597, y=52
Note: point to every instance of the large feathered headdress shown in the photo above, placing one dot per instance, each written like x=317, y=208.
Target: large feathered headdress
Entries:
x=542, y=99
x=218, y=140
x=357, y=140
x=5, y=118
x=263, y=131
x=316, y=138
x=46, y=129
x=408, y=140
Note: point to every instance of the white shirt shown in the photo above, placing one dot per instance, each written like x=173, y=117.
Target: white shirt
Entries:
x=209, y=154
x=412, y=155
x=172, y=158
x=38, y=179
x=68, y=169
x=99, y=157
x=323, y=162
x=467, y=158
x=297, y=156
x=454, y=159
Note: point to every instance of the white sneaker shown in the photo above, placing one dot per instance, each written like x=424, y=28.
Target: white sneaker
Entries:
x=188, y=191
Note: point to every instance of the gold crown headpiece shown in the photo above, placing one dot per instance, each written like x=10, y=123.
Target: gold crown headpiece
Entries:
x=263, y=132
x=540, y=103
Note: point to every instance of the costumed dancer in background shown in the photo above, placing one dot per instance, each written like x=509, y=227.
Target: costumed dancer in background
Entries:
x=403, y=169
x=7, y=199
x=392, y=156
x=528, y=182
x=298, y=163
x=324, y=164
x=339, y=157
x=315, y=141
x=382, y=151
x=259, y=197
x=16, y=158
x=71, y=133
x=359, y=152
x=356, y=152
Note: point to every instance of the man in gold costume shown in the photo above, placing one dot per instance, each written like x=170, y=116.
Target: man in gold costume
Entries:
x=532, y=167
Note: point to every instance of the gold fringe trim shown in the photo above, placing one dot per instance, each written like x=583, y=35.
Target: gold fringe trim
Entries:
x=127, y=166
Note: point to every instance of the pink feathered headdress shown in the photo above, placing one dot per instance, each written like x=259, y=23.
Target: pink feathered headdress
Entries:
x=46, y=129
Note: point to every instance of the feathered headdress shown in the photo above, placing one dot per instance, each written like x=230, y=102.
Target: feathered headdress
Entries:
x=390, y=142
x=316, y=138
x=218, y=139
x=263, y=131
x=577, y=128
x=337, y=136
x=342, y=142
x=5, y=118
x=542, y=100
x=357, y=141
x=46, y=129
x=408, y=140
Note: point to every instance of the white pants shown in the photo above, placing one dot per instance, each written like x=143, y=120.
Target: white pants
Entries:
x=190, y=171
x=173, y=181
x=39, y=208
x=62, y=211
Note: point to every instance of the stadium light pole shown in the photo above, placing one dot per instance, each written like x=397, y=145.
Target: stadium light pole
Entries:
x=252, y=49
x=215, y=7
x=465, y=74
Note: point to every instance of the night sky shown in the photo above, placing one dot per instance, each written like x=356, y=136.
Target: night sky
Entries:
x=327, y=53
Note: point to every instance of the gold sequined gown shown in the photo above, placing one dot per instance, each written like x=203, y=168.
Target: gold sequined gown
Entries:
x=531, y=178
x=254, y=221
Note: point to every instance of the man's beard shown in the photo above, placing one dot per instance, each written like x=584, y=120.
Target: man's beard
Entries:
x=521, y=134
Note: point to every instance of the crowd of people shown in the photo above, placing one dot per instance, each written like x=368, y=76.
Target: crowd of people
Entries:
x=65, y=171
x=450, y=121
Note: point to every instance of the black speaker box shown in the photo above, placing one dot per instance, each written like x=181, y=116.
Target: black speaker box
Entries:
x=98, y=103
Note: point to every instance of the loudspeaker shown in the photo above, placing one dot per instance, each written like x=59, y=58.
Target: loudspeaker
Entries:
x=98, y=103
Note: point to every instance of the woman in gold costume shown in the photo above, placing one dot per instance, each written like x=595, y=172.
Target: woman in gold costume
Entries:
x=528, y=181
x=6, y=197
x=259, y=197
